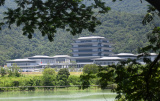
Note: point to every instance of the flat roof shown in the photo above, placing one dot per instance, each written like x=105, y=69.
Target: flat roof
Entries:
x=149, y=54
x=21, y=60
x=91, y=37
x=59, y=56
x=40, y=56
x=126, y=54
x=85, y=57
x=153, y=54
x=109, y=58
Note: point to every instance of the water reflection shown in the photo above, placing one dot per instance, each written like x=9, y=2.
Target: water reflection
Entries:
x=78, y=95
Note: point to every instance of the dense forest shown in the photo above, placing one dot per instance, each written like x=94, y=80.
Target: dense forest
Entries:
x=124, y=30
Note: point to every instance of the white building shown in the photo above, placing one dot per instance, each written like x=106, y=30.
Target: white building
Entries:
x=24, y=64
x=85, y=50
x=104, y=61
x=40, y=62
x=91, y=46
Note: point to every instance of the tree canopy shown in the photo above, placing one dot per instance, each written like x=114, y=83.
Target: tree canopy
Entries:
x=49, y=15
x=62, y=77
x=90, y=68
x=74, y=16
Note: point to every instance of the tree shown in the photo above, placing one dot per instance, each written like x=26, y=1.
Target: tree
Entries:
x=90, y=68
x=74, y=80
x=154, y=3
x=74, y=17
x=49, y=77
x=3, y=71
x=86, y=79
x=14, y=71
x=62, y=77
x=133, y=83
x=50, y=15
x=89, y=73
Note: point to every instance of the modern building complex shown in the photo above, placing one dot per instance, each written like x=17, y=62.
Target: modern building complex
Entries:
x=85, y=50
x=93, y=46
x=39, y=62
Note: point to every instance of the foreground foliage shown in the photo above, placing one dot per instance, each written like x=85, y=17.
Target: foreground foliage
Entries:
x=49, y=78
x=129, y=80
x=49, y=15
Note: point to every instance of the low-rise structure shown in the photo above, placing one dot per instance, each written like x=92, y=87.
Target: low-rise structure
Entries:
x=104, y=61
x=85, y=50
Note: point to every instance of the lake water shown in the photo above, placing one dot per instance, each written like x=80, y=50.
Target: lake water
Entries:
x=70, y=95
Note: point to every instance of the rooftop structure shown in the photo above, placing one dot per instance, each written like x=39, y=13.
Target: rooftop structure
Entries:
x=61, y=56
x=107, y=60
x=85, y=50
x=91, y=37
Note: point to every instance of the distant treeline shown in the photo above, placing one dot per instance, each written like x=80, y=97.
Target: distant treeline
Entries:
x=11, y=79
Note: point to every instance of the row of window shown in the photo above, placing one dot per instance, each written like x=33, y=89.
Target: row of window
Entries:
x=85, y=54
x=99, y=54
x=104, y=63
x=20, y=64
x=92, y=45
x=90, y=50
x=84, y=60
x=84, y=45
x=86, y=50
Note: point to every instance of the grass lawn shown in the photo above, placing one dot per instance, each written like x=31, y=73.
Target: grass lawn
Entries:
x=76, y=73
x=40, y=73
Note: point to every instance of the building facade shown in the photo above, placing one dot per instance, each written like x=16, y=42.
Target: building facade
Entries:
x=91, y=46
x=85, y=50
x=39, y=62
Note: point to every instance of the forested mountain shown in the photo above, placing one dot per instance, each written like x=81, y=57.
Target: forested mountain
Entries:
x=130, y=6
x=124, y=30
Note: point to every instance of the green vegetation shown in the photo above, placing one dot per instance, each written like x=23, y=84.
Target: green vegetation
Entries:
x=14, y=71
x=93, y=68
x=134, y=82
x=124, y=31
x=128, y=79
x=49, y=77
x=3, y=71
x=62, y=77
x=49, y=15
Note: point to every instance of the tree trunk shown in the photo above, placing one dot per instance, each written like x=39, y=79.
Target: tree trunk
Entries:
x=155, y=3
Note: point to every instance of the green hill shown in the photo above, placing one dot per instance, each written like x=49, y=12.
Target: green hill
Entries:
x=124, y=30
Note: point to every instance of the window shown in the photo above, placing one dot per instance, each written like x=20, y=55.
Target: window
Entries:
x=86, y=41
x=99, y=49
x=85, y=54
x=106, y=46
x=84, y=45
x=86, y=50
x=84, y=60
x=106, y=54
x=99, y=44
x=106, y=50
